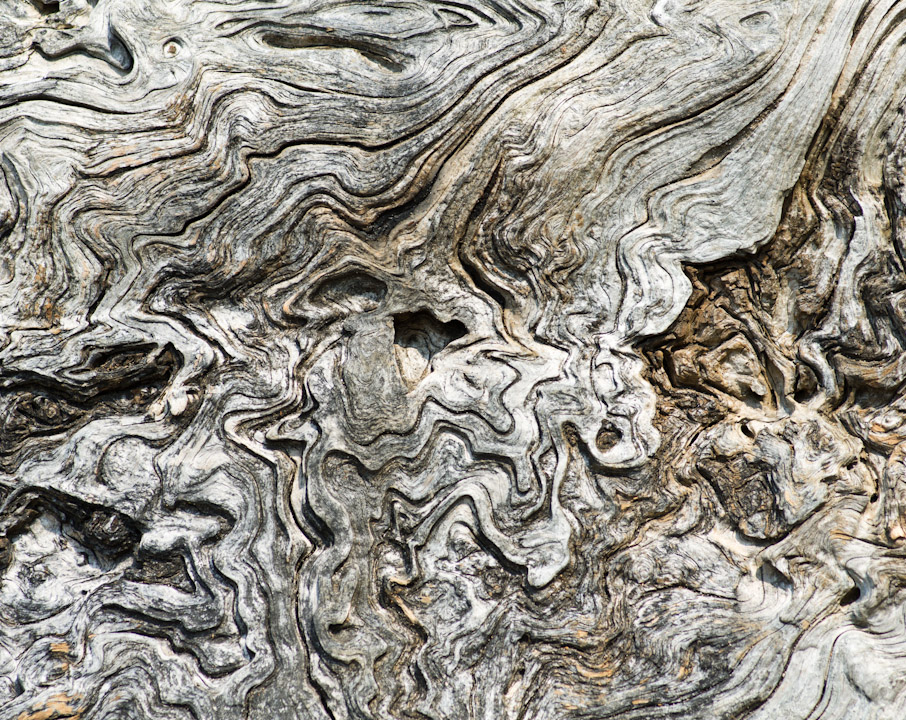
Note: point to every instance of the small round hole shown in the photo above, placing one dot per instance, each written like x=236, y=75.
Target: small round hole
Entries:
x=608, y=437
x=850, y=596
x=171, y=48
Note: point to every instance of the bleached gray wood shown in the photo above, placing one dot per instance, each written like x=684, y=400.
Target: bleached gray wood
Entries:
x=485, y=360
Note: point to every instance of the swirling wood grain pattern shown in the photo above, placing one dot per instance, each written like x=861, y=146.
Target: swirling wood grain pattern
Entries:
x=499, y=359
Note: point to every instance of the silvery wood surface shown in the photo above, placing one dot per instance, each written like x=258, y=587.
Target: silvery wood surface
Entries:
x=492, y=359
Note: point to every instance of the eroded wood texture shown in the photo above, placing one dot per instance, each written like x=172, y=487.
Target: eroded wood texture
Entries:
x=485, y=360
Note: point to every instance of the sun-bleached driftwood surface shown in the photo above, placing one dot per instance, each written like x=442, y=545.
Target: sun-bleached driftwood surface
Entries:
x=486, y=360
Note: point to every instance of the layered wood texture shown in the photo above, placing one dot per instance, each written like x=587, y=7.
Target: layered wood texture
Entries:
x=492, y=360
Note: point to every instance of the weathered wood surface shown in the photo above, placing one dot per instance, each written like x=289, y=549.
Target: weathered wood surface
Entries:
x=499, y=359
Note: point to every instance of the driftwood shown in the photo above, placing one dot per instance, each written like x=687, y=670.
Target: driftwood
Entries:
x=487, y=360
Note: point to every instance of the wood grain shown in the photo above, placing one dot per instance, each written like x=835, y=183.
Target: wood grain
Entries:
x=500, y=359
